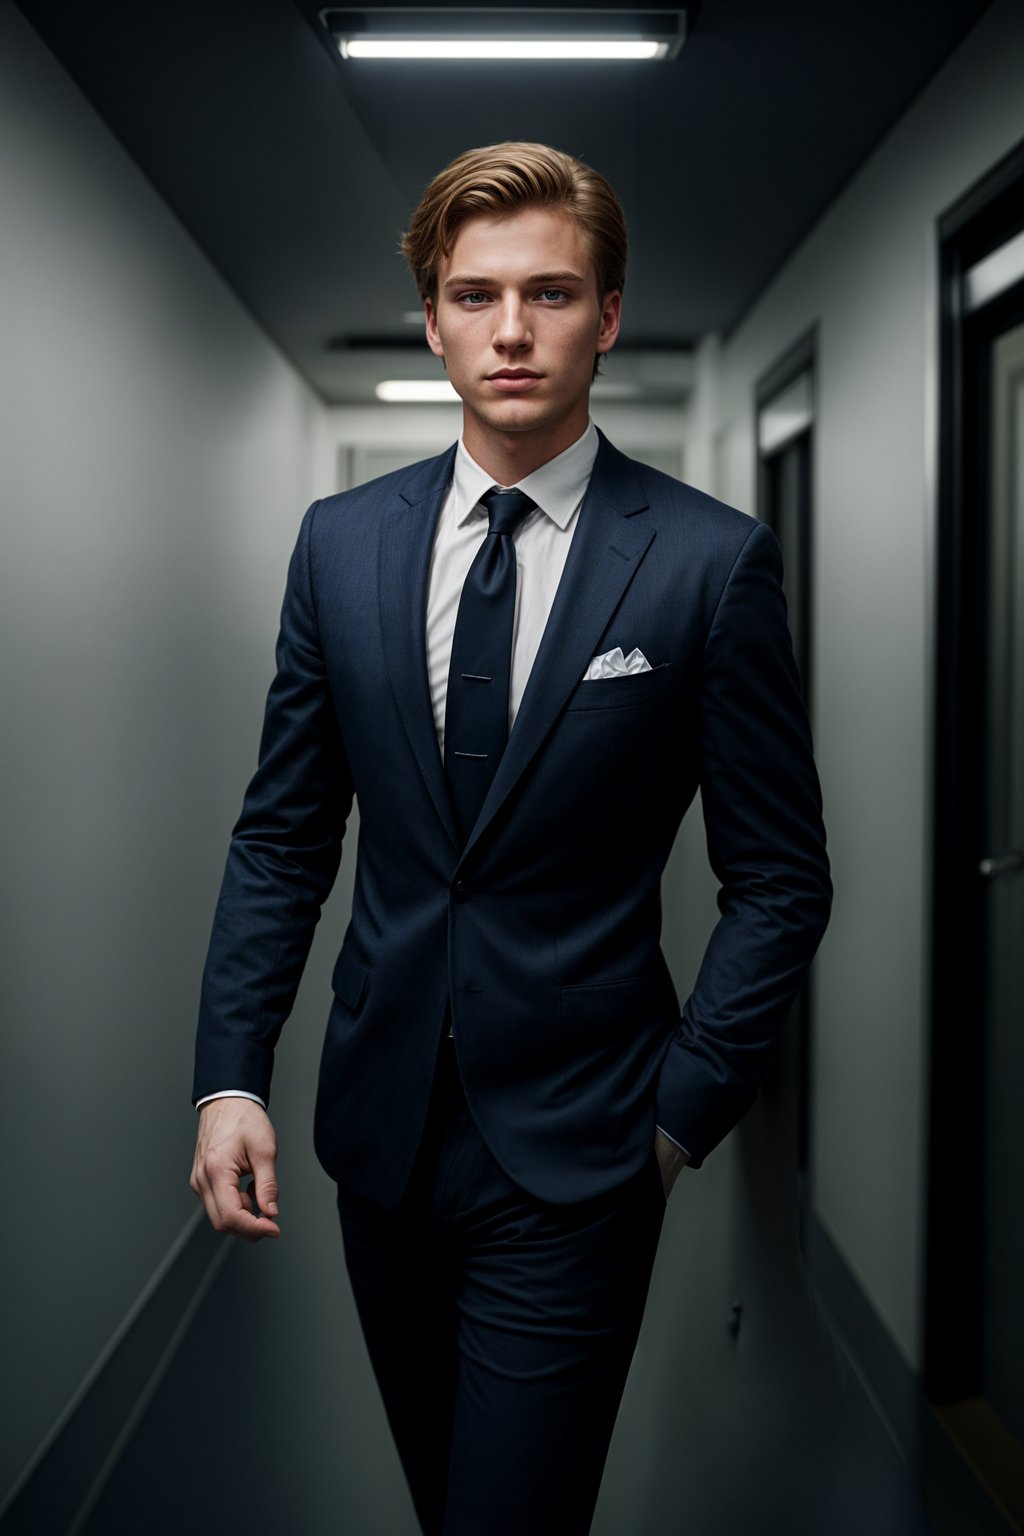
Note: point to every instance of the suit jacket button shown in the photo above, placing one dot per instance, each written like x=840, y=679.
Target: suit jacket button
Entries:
x=460, y=890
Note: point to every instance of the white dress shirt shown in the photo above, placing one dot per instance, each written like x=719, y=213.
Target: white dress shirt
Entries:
x=541, y=543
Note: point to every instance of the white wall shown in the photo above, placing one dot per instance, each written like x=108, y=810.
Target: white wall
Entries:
x=867, y=276
x=157, y=455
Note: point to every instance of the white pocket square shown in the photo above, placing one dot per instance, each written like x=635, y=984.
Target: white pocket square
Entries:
x=614, y=664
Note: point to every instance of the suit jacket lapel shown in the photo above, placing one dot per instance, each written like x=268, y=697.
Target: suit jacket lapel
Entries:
x=407, y=537
x=605, y=553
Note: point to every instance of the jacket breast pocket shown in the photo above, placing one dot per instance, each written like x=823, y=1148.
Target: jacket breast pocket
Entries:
x=623, y=692
x=349, y=980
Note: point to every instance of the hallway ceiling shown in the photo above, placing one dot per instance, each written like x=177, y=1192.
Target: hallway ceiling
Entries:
x=295, y=170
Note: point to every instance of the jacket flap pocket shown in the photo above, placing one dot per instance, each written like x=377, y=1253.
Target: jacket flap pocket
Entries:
x=349, y=980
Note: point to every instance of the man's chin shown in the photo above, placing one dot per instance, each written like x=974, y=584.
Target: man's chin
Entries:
x=515, y=415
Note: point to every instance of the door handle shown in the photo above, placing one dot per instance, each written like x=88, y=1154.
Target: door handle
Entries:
x=1002, y=864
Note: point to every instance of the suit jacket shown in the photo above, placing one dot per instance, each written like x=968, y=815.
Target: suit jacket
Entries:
x=541, y=933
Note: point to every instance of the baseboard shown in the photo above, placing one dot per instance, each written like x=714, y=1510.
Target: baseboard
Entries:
x=879, y=1362
x=58, y=1488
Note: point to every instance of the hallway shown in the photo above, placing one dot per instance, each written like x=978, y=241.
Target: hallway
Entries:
x=200, y=305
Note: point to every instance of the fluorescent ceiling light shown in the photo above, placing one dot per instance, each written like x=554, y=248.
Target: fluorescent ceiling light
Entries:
x=508, y=32
x=502, y=48
x=416, y=392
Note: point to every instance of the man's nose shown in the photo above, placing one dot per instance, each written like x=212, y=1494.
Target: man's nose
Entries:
x=511, y=325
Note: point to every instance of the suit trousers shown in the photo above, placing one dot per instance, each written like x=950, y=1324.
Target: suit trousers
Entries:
x=500, y=1327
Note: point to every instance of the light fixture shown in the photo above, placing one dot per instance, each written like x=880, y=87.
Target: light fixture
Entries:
x=507, y=33
x=416, y=392
x=996, y=272
x=499, y=48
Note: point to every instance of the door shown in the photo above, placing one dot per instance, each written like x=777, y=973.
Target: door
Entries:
x=1001, y=868
x=974, y=1365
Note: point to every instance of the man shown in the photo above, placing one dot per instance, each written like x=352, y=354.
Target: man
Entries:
x=507, y=1088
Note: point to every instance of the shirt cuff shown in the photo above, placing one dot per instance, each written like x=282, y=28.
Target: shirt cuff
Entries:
x=673, y=1141
x=231, y=1093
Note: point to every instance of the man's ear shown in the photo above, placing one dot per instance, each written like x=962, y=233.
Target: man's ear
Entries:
x=611, y=316
x=433, y=334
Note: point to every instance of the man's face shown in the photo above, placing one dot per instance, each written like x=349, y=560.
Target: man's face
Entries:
x=518, y=319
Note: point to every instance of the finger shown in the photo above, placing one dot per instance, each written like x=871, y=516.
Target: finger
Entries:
x=250, y=1203
x=226, y=1206
x=237, y=1218
x=265, y=1182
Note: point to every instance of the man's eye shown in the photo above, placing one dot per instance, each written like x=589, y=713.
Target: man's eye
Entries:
x=471, y=299
x=551, y=294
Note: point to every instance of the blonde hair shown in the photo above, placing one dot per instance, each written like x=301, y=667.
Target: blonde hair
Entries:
x=504, y=178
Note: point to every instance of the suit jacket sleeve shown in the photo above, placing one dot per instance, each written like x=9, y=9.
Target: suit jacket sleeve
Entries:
x=766, y=843
x=283, y=858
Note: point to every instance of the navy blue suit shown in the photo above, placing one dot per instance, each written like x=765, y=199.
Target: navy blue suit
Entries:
x=540, y=936
x=543, y=931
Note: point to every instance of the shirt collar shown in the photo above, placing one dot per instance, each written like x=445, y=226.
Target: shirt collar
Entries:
x=557, y=487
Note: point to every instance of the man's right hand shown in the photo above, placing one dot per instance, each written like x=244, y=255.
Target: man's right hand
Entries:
x=236, y=1138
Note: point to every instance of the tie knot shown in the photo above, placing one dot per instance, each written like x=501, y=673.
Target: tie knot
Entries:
x=506, y=509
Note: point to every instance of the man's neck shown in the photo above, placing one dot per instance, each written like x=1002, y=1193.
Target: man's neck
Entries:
x=509, y=457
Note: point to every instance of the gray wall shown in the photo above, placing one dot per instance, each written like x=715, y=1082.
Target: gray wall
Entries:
x=157, y=454
x=866, y=276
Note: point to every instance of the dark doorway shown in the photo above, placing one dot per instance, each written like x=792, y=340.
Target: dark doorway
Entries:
x=784, y=403
x=975, y=1277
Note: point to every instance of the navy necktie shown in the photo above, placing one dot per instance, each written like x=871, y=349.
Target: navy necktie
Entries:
x=476, y=707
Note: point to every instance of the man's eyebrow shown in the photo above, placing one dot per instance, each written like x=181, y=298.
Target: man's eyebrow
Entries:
x=461, y=281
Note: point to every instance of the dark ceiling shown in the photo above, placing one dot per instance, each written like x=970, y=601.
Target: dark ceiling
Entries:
x=296, y=170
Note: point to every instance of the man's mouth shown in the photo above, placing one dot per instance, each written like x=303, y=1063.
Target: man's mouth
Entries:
x=512, y=380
